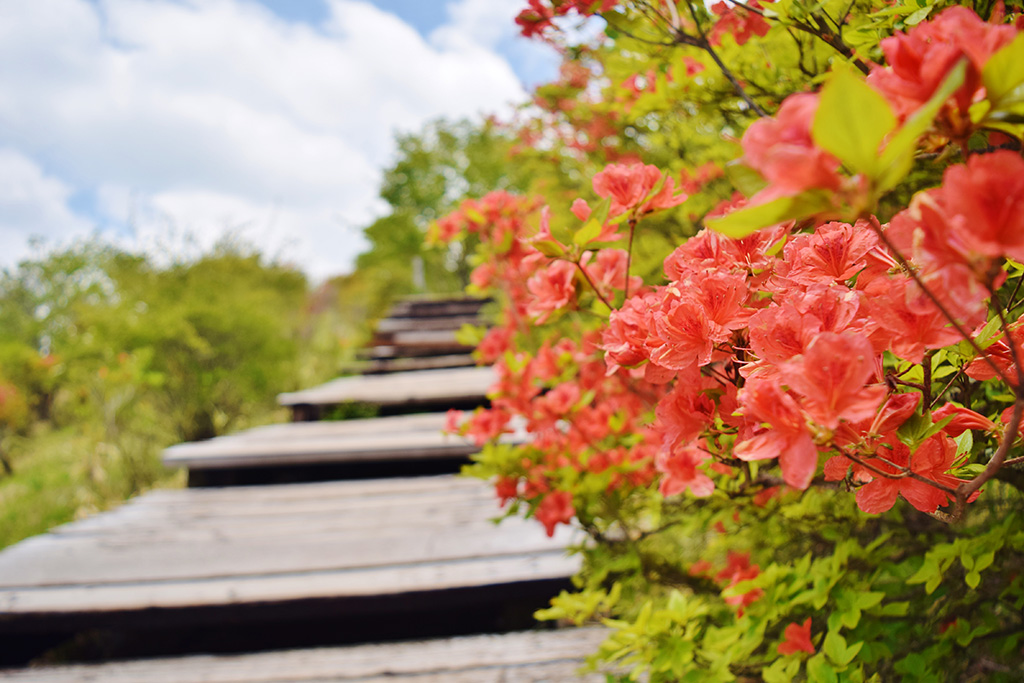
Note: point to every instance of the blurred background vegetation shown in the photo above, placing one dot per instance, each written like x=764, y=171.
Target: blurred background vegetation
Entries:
x=108, y=356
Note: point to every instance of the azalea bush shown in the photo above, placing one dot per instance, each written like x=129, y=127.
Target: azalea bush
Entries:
x=768, y=347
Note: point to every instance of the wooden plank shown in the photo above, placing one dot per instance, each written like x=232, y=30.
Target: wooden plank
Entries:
x=384, y=351
x=218, y=547
x=401, y=388
x=404, y=437
x=146, y=529
x=526, y=656
x=416, y=422
x=451, y=322
x=235, y=590
x=383, y=365
x=469, y=509
x=419, y=338
x=250, y=452
x=411, y=308
x=175, y=555
x=398, y=488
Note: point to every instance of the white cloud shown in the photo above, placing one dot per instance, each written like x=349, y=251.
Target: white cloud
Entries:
x=31, y=203
x=215, y=114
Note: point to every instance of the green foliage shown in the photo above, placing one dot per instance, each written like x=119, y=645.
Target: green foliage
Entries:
x=437, y=168
x=719, y=587
x=108, y=357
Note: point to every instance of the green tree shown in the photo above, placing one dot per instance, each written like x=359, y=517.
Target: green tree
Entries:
x=436, y=168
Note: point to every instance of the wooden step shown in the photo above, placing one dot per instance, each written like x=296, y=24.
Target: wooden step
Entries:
x=445, y=323
x=433, y=308
x=339, y=540
x=409, y=389
x=526, y=656
x=403, y=437
x=390, y=365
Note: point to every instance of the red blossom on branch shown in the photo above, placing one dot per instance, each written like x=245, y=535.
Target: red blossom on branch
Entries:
x=932, y=460
x=919, y=60
x=556, y=508
x=629, y=186
x=797, y=638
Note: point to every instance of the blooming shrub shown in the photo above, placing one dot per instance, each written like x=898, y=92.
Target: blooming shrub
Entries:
x=794, y=451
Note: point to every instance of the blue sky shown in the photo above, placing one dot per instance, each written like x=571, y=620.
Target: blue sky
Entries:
x=166, y=124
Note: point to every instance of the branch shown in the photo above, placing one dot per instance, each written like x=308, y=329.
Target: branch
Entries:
x=958, y=375
x=629, y=258
x=967, y=489
x=705, y=45
x=904, y=472
x=586, y=276
x=646, y=41
x=822, y=33
x=912, y=272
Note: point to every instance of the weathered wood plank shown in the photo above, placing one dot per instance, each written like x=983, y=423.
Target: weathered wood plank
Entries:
x=395, y=351
x=68, y=560
x=530, y=656
x=266, y=519
x=235, y=590
x=417, y=338
x=424, y=386
x=450, y=322
x=423, y=308
x=442, y=508
x=417, y=422
x=388, y=365
x=247, y=452
x=217, y=547
x=391, y=438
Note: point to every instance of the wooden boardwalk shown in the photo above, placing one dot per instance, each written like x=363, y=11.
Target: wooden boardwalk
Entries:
x=401, y=437
x=284, y=566
x=413, y=390
x=421, y=334
x=218, y=547
x=532, y=656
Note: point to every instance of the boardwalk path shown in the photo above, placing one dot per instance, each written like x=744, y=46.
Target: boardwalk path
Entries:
x=512, y=658
x=241, y=568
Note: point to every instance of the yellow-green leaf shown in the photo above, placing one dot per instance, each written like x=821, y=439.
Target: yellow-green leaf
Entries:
x=1003, y=74
x=750, y=219
x=587, y=233
x=898, y=156
x=851, y=121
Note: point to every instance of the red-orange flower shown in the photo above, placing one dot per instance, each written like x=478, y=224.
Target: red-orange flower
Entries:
x=555, y=509
x=629, y=185
x=931, y=460
x=797, y=638
x=782, y=150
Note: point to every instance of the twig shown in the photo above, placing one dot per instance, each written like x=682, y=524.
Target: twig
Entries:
x=965, y=490
x=706, y=46
x=968, y=488
x=904, y=473
x=586, y=276
x=823, y=33
x=926, y=384
x=959, y=373
x=629, y=258
x=877, y=228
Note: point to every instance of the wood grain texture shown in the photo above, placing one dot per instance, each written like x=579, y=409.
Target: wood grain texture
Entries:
x=390, y=365
x=404, y=437
x=209, y=547
x=423, y=386
x=553, y=656
x=451, y=322
x=424, y=308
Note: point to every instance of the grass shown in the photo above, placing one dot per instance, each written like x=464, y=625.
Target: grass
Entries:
x=63, y=475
